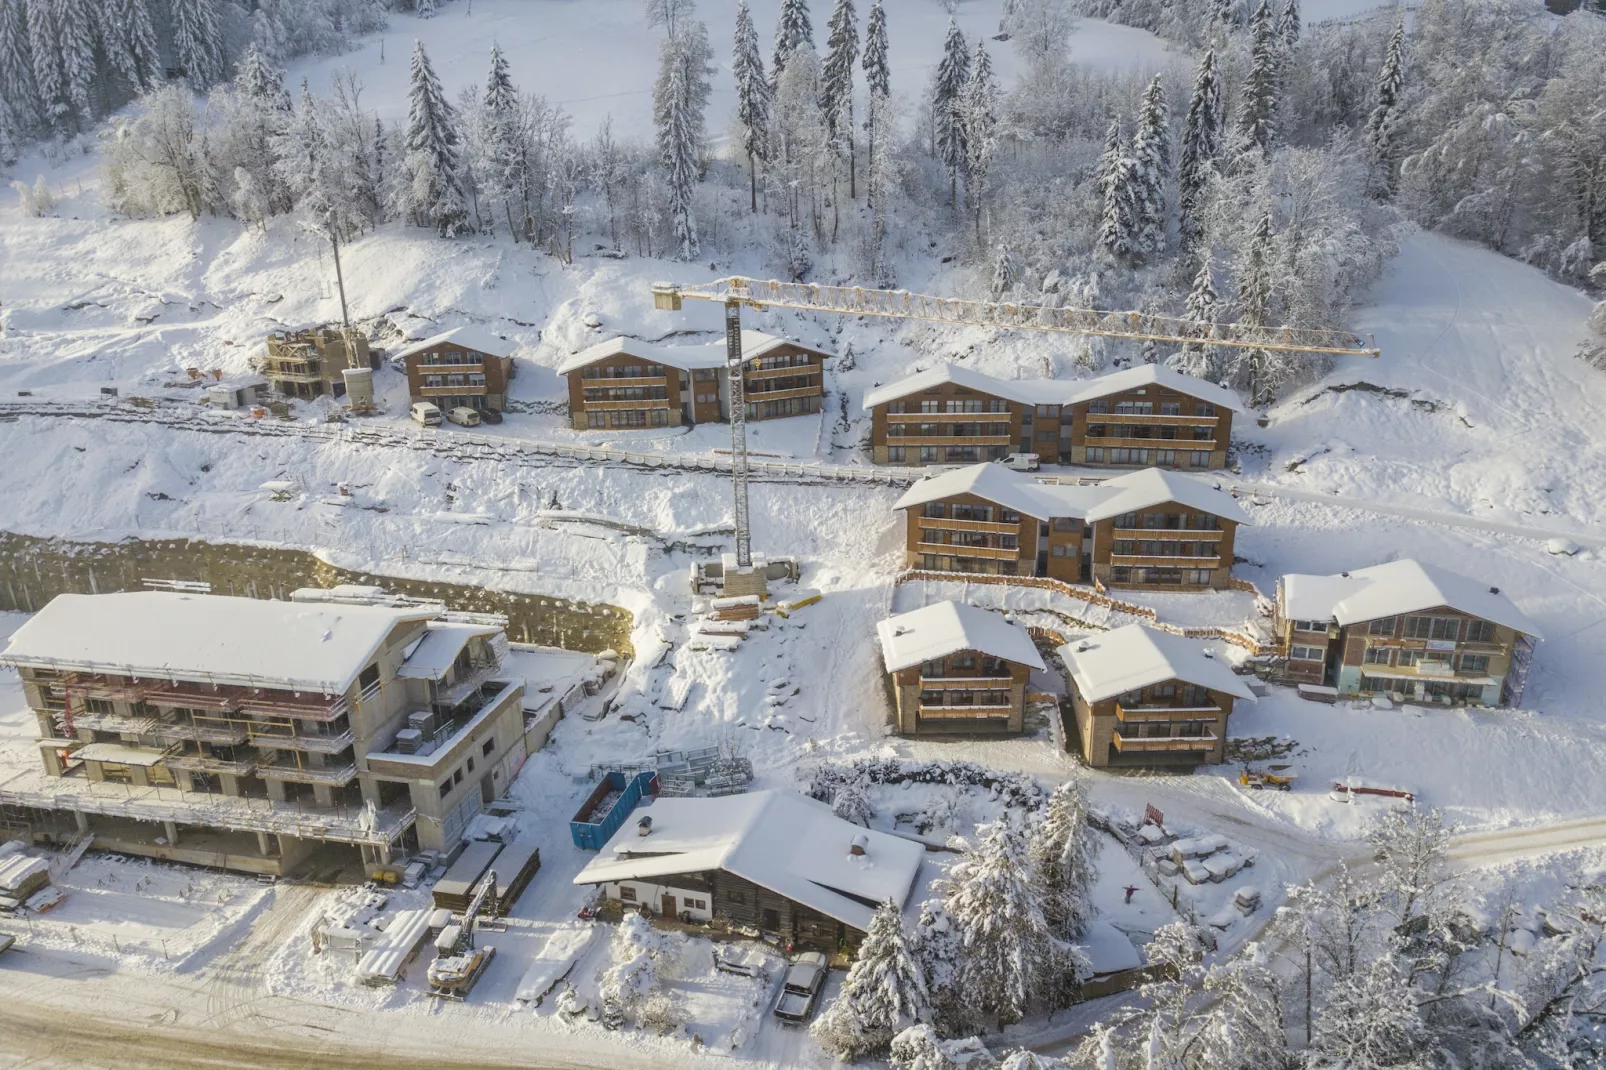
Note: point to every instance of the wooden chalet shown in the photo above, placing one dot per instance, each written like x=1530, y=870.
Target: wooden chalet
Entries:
x=957, y=669
x=462, y=368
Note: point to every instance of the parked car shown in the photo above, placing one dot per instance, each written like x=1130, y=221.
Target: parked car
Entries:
x=425, y=413
x=800, y=991
x=490, y=416
x=1021, y=462
x=464, y=416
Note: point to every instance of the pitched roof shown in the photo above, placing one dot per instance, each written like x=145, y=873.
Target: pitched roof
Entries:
x=945, y=628
x=1387, y=590
x=1103, y=666
x=208, y=637
x=431, y=654
x=1157, y=375
x=1013, y=390
x=687, y=358
x=787, y=843
x=1154, y=486
x=1011, y=489
x=475, y=338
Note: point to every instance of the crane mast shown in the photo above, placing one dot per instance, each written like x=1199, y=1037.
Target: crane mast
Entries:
x=738, y=396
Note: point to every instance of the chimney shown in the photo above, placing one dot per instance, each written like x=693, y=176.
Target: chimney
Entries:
x=1494, y=590
x=857, y=847
x=644, y=826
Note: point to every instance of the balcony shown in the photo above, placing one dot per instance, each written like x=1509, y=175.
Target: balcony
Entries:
x=292, y=375
x=950, y=440
x=337, y=776
x=1142, y=744
x=107, y=722
x=1167, y=713
x=950, y=417
x=207, y=763
x=309, y=744
x=642, y=403
x=777, y=395
x=452, y=391
x=1151, y=418
x=1183, y=444
x=451, y=368
x=989, y=526
x=228, y=735
x=993, y=552
x=306, y=707
x=605, y=382
x=937, y=713
x=1162, y=561
x=804, y=368
x=1168, y=534
x=985, y=683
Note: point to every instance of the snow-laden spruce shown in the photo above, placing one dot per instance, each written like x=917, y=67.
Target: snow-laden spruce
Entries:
x=978, y=118
x=433, y=195
x=947, y=87
x=793, y=30
x=1151, y=171
x=1259, y=96
x=1201, y=142
x=680, y=101
x=883, y=994
x=836, y=86
x=1060, y=851
x=753, y=95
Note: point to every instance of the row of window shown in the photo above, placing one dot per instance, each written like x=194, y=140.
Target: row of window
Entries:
x=794, y=360
x=963, y=664
x=785, y=382
x=945, y=454
x=1450, y=689
x=979, y=566
x=465, y=379
x=456, y=778
x=625, y=393
x=964, y=698
x=1156, y=548
x=974, y=539
x=628, y=418
x=948, y=430
x=962, y=511
x=623, y=371
x=1166, y=432
x=1446, y=629
x=1161, y=577
x=1158, y=458
x=951, y=405
x=1471, y=664
x=1168, y=521
x=1167, y=730
x=1167, y=694
x=451, y=357
x=769, y=410
x=1146, y=408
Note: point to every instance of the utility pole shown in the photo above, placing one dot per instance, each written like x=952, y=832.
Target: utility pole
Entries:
x=738, y=396
x=340, y=280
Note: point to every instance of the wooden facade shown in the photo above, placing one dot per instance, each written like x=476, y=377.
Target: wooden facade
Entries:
x=964, y=693
x=308, y=364
x=967, y=533
x=947, y=424
x=719, y=895
x=1165, y=546
x=1148, y=426
x=452, y=375
x=624, y=391
x=1172, y=723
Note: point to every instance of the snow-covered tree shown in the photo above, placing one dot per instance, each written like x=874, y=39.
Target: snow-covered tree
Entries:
x=633, y=985
x=1409, y=847
x=1005, y=275
x=19, y=97
x=793, y=30
x=151, y=161
x=1151, y=170
x=304, y=165
x=947, y=91
x=45, y=54
x=198, y=40
x=253, y=114
x=836, y=85
x=670, y=15
x=1197, y=358
x=75, y=27
x=494, y=141
x=1259, y=95
x=1370, y=1021
x=879, y=80
x=753, y=96
x=978, y=119
x=937, y=947
x=1593, y=349
x=434, y=194
x=1201, y=141
x=1383, y=122
x=883, y=994
x=1254, y=305
x=1039, y=29
x=1061, y=854
x=680, y=101
x=852, y=802
x=1288, y=23
x=1118, y=218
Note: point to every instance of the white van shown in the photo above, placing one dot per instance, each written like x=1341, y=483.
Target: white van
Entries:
x=464, y=416
x=425, y=413
x=1021, y=462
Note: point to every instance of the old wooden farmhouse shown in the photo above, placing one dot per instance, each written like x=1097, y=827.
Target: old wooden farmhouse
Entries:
x=955, y=668
x=1141, y=529
x=625, y=383
x=462, y=368
x=1138, y=417
x=1406, y=629
x=771, y=861
x=1144, y=697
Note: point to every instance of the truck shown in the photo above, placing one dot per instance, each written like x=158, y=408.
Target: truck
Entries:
x=801, y=988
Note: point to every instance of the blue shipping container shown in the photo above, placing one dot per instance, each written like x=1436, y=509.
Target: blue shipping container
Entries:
x=589, y=829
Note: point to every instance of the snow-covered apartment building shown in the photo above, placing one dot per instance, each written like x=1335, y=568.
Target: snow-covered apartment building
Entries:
x=1404, y=628
x=625, y=383
x=1142, y=529
x=461, y=368
x=1142, y=697
x=957, y=669
x=770, y=861
x=251, y=734
x=1137, y=417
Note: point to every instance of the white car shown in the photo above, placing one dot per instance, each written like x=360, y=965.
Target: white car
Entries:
x=1021, y=462
x=425, y=413
x=464, y=416
x=800, y=991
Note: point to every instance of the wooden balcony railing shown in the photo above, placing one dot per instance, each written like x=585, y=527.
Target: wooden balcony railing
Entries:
x=965, y=712
x=1183, y=444
x=1139, y=744
x=965, y=683
x=950, y=440
x=1163, y=561
x=991, y=526
x=1151, y=418
x=1171, y=534
x=1166, y=713
x=643, y=403
x=949, y=417
x=778, y=395
x=994, y=552
x=807, y=368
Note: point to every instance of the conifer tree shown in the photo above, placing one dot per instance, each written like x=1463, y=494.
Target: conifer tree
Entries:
x=1151, y=170
x=46, y=57
x=836, y=84
x=19, y=97
x=302, y=162
x=1060, y=852
x=1004, y=272
x=1199, y=359
x=1254, y=304
x=883, y=994
x=1118, y=216
x=1384, y=118
x=1201, y=141
x=953, y=71
x=793, y=30
x=434, y=163
x=680, y=100
x=75, y=27
x=879, y=80
x=978, y=112
x=1288, y=24
x=497, y=149
x=130, y=42
x=1257, y=110
x=198, y=40
x=753, y=97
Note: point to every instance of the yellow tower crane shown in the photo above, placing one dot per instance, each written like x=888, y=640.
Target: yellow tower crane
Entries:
x=735, y=291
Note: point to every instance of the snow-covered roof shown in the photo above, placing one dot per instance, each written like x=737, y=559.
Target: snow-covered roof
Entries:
x=208, y=637
x=1108, y=948
x=1011, y=489
x=778, y=840
x=687, y=358
x=1133, y=657
x=1388, y=590
x=474, y=338
x=944, y=628
x=1157, y=375
x=1012, y=390
x=431, y=654
x=1155, y=486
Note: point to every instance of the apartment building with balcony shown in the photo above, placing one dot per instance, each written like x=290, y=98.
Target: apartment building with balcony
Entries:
x=1142, y=697
x=250, y=734
x=987, y=519
x=623, y=383
x=1162, y=530
x=1406, y=629
x=1144, y=416
x=462, y=368
x=308, y=364
x=956, y=669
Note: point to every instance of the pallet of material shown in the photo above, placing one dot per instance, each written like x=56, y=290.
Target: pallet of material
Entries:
x=515, y=867
x=1354, y=785
x=787, y=606
x=722, y=643
x=387, y=963
x=21, y=875
x=724, y=627
x=456, y=888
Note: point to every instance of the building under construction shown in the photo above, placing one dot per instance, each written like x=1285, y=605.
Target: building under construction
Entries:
x=311, y=364
x=257, y=735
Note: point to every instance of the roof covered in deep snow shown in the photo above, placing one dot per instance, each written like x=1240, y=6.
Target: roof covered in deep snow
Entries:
x=209, y=637
x=1157, y=375
x=1009, y=488
x=1054, y=391
x=787, y=843
x=1129, y=658
x=1154, y=486
x=687, y=358
x=1387, y=590
x=475, y=338
x=981, y=382
x=944, y=628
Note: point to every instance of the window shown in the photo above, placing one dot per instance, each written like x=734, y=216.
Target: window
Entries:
x=1165, y=457
x=368, y=678
x=1199, y=577
x=1376, y=655
x=895, y=455
x=471, y=763
x=1306, y=653
x=1100, y=407
x=1381, y=626
x=1309, y=626
x=1170, y=408
x=1475, y=663
x=1443, y=628
x=935, y=510
x=1095, y=455
x=457, y=777
x=1048, y=410
x=1059, y=549
x=1199, y=459
x=446, y=787
x=97, y=705
x=1203, y=408
x=1374, y=683
x=1480, y=631
x=627, y=893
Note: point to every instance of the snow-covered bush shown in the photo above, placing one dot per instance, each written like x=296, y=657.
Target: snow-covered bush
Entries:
x=643, y=958
x=851, y=802
x=919, y=1048
x=34, y=200
x=1012, y=789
